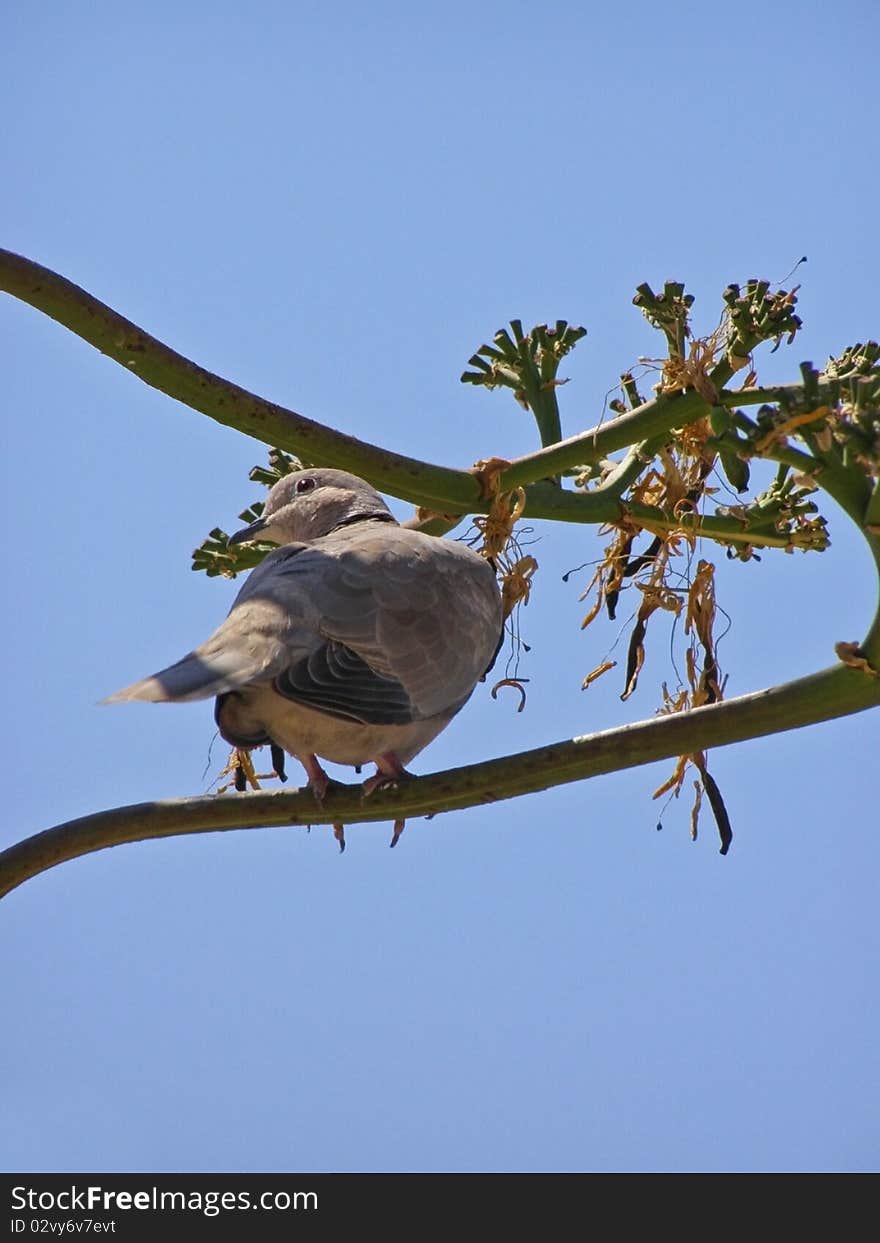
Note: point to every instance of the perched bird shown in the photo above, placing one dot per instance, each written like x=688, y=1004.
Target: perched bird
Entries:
x=356, y=641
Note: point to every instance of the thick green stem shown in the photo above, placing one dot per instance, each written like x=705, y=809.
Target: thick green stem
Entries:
x=423, y=483
x=162, y=368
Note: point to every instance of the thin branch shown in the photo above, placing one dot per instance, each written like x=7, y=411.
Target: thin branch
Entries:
x=629, y=468
x=644, y=423
x=834, y=692
x=598, y=506
x=771, y=395
x=847, y=485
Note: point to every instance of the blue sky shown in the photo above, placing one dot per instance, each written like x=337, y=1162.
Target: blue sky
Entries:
x=335, y=208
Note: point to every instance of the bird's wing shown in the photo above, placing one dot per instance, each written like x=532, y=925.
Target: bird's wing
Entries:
x=372, y=623
x=410, y=622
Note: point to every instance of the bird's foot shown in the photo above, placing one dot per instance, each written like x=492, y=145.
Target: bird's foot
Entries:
x=389, y=771
x=318, y=779
x=318, y=784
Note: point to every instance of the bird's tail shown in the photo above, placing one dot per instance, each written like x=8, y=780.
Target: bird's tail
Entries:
x=193, y=677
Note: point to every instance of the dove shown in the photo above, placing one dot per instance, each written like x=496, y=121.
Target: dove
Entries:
x=356, y=640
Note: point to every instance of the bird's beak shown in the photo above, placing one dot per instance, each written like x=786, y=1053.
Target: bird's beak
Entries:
x=251, y=534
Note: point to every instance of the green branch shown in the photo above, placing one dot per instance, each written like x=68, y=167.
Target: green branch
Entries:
x=549, y=502
x=835, y=692
x=646, y=422
x=423, y=483
x=773, y=395
x=435, y=487
x=178, y=377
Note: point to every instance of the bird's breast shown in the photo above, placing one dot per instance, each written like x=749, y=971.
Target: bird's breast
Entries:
x=303, y=731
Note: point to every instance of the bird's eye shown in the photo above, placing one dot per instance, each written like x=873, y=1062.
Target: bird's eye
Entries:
x=304, y=485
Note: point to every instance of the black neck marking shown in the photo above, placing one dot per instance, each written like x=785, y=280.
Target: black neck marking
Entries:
x=353, y=518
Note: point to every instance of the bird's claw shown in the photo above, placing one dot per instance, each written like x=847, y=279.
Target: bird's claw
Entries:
x=389, y=771
x=381, y=781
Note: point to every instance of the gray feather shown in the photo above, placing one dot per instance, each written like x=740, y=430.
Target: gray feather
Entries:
x=353, y=626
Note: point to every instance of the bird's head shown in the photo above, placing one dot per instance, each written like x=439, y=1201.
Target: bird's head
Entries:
x=307, y=504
